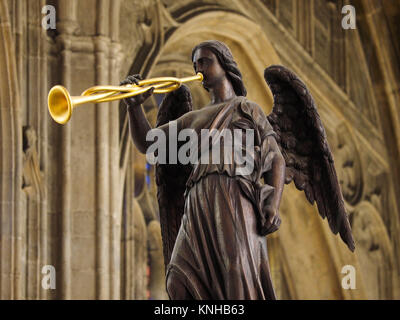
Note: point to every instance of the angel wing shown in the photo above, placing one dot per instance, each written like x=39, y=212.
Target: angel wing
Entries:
x=302, y=139
x=171, y=178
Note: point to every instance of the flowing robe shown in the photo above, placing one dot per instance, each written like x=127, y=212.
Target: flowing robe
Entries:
x=221, y=250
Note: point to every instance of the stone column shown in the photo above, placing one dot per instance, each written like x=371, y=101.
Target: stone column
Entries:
x=116, y=193
x=305, y=24
x=102, y=173
x=67, y=24
x=338, y=49
x=33, y=74
x=10, y=163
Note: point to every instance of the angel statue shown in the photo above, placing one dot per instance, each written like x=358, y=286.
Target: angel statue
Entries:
x=215, y=218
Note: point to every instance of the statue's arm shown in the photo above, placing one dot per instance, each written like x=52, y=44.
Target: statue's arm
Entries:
x=276, y=175
x=139, y=126
x=276, y=178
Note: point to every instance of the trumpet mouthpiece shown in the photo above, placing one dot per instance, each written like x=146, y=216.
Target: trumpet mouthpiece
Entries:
x=59, y=104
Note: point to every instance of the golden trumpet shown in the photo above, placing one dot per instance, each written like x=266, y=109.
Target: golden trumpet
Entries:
x=61, y=103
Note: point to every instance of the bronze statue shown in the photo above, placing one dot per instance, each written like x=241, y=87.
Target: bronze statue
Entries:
x=214, y=219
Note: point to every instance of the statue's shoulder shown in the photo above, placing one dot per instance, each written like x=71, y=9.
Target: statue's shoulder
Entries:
x=250, y=107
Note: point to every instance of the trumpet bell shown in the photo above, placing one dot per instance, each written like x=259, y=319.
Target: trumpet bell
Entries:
x=60, y=104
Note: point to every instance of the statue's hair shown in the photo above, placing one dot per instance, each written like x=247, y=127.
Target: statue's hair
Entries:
x=226, y=61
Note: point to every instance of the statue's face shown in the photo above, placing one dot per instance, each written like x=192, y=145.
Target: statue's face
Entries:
x=206, y=62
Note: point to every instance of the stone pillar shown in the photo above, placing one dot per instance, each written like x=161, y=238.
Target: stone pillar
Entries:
x=305, y=24
x=33, y=76
x=10, y=164
x=116, y=193
x=67, y=24
x=338, y=49
x=90, y=197
x=102, y=170
x=107, y=60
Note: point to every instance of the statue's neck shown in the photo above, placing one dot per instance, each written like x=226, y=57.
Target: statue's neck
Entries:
x=222, y=91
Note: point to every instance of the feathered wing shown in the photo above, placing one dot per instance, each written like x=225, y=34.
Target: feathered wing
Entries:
x=171, y=178
x=303, y=142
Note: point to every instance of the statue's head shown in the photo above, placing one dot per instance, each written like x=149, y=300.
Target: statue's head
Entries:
x=226, y=62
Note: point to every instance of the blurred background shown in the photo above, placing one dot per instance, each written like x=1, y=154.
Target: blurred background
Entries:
x=82, y=199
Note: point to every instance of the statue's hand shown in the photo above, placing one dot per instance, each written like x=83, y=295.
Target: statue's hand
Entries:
x=140, y=98
x=273, y=219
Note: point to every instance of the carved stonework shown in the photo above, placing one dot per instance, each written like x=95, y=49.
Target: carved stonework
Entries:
x=32, y=176
x=154, y=23
x=376, y=190
x=349, y=165
x=374, y=251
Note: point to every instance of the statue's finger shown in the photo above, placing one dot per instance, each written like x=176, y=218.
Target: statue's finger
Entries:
x=130, y=80
x=133, y=79
x=277, y=222
x=271, y=220
x=267, y=228
x=149, y=92
x=273, y=228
